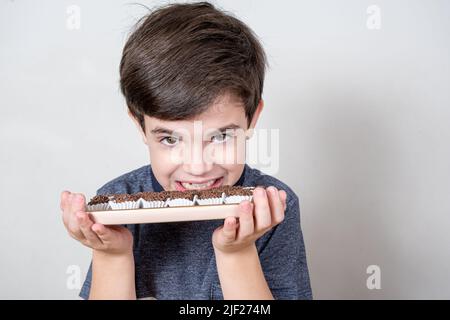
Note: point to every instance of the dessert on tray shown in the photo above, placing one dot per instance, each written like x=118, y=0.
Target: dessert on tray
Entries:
x=168, y=206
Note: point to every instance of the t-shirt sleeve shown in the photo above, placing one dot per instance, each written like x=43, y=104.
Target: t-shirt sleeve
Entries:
x=86, y=288
x=283, y=257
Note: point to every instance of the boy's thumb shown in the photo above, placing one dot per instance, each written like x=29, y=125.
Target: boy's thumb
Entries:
x=229, y=229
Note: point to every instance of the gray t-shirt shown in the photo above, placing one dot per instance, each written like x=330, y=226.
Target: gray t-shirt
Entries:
x=176, y=260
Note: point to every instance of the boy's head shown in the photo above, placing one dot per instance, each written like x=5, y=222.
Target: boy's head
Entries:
x=188, y=73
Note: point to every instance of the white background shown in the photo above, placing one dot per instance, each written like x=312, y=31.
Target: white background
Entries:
x=364, y=129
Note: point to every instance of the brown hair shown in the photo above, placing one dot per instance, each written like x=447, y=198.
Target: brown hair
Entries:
x=181, y=57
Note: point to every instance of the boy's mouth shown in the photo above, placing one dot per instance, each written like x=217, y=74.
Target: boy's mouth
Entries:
x=203, y=185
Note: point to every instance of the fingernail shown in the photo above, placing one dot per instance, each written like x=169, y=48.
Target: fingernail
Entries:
x=259, y=191
x=272, y=190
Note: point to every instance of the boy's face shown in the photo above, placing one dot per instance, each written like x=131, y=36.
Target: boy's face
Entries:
x=205, y=152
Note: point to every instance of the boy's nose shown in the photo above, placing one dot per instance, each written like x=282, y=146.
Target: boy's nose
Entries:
x=197, y=169
x=198, y=163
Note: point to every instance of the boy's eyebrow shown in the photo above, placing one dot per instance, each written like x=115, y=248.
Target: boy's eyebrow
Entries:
x=162, y=130
x=230, y=126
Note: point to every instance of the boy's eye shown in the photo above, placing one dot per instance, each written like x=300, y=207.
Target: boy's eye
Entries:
x=169, y=141
x=221, y=138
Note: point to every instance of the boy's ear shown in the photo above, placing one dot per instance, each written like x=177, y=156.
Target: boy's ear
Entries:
x=138, y=125
x=259, y=108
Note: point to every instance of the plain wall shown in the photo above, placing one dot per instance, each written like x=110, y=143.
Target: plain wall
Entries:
x=364, y=128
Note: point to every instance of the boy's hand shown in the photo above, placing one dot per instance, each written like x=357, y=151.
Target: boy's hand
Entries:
x=111, y=239
x=255, y=219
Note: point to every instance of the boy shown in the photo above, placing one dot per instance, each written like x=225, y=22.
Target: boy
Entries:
x=185, y=66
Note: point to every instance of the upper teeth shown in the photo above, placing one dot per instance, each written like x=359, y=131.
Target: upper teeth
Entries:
x=188, y=185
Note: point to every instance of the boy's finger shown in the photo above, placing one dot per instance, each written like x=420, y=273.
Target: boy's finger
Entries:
x=73, y=227
x=85, y=227
x=102, y=232
x=246, y=221
x=65, y=209
x=63, y=200
x=276, y=206
x=71, y=222
x=283, y=197
x=262, y=209
x=70, y=213
x=77, y=202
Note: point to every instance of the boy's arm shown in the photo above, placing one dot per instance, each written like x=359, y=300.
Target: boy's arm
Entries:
x=238, y=264
x=113, y=263
x=283, y=256
x=241, y=275
x=113, y=276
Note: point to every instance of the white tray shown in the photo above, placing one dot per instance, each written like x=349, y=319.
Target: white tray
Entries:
x=166, y=214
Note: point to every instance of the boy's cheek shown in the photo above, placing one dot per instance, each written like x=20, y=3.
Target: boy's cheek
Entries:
x=239, y=148
x=231, y=153
x=165, y=156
